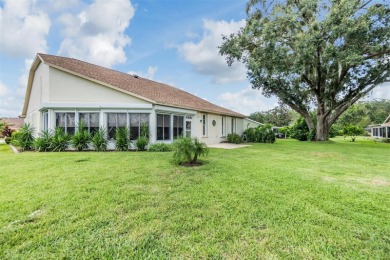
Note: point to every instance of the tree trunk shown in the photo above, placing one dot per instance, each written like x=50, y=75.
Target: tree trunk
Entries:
x=322, y=131
x=195, y=158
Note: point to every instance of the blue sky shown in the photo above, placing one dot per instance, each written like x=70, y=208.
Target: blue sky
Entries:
x=170, y=41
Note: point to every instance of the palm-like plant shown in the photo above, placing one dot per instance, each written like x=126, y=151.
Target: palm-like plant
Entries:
x=43, y=142
x=24, y=137
x=99, y=140
x=122, y=139
x=60, y=140
x=81, y=138
x=187, y=150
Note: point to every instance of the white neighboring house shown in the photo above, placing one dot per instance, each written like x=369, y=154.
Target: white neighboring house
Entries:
x=63, y=91
x=381, y=131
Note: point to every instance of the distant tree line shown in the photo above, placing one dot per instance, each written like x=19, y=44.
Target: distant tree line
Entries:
x=281, y=115
x=361, y=114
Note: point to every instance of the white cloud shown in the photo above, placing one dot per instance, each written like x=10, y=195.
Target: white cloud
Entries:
x=247, y=101
x=97, y=34
x=23, y=28
x=149, y=74
x=3, y=90
x=10, y=103
x=204, y=55
x=380, y=92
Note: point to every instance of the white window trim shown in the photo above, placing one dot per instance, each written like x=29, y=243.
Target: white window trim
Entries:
x=205, y=125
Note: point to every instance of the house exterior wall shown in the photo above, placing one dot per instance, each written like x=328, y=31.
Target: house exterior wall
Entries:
x=247, y=123
x=39, y=94
x=65, y=87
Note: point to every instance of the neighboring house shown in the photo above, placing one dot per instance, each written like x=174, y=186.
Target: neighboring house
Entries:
x=63, y=91
x=13, y=123
x=381, y=131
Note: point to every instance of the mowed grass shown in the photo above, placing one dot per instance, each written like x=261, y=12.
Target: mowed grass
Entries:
x=284, y=200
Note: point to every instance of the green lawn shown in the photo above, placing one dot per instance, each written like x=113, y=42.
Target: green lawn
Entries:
x=284, y=200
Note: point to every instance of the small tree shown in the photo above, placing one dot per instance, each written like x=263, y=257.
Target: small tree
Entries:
x=187, y=150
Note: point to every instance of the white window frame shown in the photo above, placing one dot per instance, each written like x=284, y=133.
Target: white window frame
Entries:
x=170, y=130
x=45, y=120
x=204, y=125
x=66, y=121
x=223, y=124
x=233, y=126
x=88, y=123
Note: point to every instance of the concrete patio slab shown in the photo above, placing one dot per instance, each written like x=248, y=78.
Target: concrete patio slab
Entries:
x=228, y=146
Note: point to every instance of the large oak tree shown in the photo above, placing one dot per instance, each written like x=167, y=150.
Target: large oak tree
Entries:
x=314, y=54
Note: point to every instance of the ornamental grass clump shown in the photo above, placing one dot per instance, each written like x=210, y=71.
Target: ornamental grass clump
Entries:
x=187, y=150
x=122, y=139
x=24, y=137
x=60, y=140
x=99, y=140
x=81, y=138
x=43, y=142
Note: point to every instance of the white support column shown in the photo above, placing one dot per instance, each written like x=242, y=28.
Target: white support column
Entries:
x=171, y=129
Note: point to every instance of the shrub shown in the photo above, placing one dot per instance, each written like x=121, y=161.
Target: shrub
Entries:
x=386, y=140
x=60, y=140
x=122, y=139
x=260, y=134
x=43, y=142
x=300, y=130
x=7, y=132
x=99, y=140
x=353, y=131
x=144, y=130
x=7, y=140
x=24, y=137
x=187, y=150
x=234, y=138
x=160, y=147
x=142, y=143
x=81, y=138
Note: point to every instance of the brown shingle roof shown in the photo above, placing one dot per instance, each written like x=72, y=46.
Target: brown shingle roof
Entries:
x=157, y=92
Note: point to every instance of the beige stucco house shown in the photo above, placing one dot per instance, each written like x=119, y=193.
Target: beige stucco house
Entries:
x=63, y=91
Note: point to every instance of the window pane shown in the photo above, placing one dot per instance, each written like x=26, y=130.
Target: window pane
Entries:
x=160, y=130
x=83, y=117
x=145, y=119
x=167, y=124
x=60, y=119
x=134, y=126
x=70, y=120
x=111, y=118
x=122, y=119
x=178, y=126
x=94, y=119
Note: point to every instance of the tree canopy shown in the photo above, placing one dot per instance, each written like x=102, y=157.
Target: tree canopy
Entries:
x=280, y=115
x=314, y=54
x=365, y=113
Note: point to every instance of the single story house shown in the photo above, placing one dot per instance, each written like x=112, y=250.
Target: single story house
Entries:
x=63, y=91
x=381, y=131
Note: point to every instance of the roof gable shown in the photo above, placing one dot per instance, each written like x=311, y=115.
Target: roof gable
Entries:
x=149, y=90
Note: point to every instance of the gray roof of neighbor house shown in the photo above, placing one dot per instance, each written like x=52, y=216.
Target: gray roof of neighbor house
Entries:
x=152, y=91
